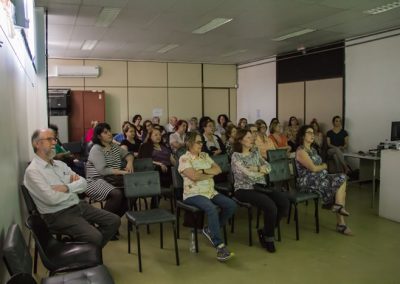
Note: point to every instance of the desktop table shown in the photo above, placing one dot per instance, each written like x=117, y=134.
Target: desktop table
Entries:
x=364, y=158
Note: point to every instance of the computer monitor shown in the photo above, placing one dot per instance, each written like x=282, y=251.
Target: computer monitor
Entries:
x=395, y=136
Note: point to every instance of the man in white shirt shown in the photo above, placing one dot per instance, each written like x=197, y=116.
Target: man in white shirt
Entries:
x=170, y=127
x=54, y=188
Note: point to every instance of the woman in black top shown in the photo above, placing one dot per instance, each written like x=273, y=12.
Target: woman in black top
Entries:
x=212, y=144
x=130, y=143
x=337, y=140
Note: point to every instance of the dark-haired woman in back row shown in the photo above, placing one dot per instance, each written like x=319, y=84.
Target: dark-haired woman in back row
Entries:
x=212, y=144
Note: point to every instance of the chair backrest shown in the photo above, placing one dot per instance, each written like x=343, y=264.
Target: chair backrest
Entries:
x=277, y=154
x=223, y=162
x=30, y=204
x=43, y=239
x=73, y=147
x=143, y=165
x=15, y=252
x=142, y=184
x=280, y=170
x=177, y=180
x=22, y=278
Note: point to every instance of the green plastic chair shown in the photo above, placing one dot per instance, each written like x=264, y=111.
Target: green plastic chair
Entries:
x=142, y=185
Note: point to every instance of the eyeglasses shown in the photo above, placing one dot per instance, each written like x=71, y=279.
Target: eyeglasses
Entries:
x=50, y=139
x=310, y=132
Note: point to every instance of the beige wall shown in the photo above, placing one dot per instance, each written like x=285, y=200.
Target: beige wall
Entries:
x=142, y=87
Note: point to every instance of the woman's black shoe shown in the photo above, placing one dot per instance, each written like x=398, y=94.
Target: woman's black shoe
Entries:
x=261, y=238
x=270, y=246
x=114, y=238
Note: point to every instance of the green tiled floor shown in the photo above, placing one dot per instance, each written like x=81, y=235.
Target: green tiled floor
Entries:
x=371, y=256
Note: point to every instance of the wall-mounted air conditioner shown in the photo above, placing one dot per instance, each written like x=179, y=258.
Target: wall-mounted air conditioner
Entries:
x=77, y=71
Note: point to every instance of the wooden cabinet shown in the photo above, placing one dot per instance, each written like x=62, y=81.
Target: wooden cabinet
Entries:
x=85, y=107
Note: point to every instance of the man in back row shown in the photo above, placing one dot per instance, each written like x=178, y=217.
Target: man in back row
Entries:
x=54, y=188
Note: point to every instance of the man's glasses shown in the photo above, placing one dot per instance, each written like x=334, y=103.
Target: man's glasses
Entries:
x=50, y=139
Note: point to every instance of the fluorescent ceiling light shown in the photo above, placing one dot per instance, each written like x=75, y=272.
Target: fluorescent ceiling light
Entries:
x=167, y=48
x=383, y=8
x=234, y=52
x=107, y=16
x=298, y=33
x=89, y=44
x=213, y=24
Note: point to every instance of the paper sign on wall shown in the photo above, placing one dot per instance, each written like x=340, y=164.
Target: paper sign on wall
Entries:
x=157, y=112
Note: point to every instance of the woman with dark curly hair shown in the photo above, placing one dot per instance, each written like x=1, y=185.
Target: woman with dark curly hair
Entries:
x=313, y=177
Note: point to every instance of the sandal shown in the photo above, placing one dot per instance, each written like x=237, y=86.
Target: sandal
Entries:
x=338, y=208
x=343, y=229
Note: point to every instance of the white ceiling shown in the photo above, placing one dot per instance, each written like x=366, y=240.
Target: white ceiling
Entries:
x=144, y=26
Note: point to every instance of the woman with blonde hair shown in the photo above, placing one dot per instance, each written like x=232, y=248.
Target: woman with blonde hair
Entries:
x=262, y=141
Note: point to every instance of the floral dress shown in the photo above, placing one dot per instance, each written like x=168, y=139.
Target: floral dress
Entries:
x=321, y=183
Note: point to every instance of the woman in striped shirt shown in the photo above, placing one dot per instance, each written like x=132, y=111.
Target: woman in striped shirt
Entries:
x=104, y=170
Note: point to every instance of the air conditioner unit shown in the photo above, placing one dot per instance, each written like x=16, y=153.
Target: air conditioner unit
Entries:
x=77, y=71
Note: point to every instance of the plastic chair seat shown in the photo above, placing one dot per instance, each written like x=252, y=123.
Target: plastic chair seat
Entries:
x=150, y=216
x=187, y=207
x=299, y=197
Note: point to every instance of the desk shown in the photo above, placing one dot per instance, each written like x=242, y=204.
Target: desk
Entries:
x=363, y=159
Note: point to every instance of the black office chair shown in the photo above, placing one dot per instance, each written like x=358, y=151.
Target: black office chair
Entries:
x=58, y=256
x=19, y=264
x=146, y=184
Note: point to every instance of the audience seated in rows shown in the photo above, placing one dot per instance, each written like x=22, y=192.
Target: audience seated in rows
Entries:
x=54, y=188
x=249, y=168
x=104, y=170
x=198, y=170
x=313, y=177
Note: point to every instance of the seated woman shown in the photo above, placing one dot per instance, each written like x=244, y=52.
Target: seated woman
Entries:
x=136, y=120
x=212, y=144
x=280, y=141
x=147, y=127
x=249, y=168
x=338, y=140
x=222, y=121
x=291, y=132
x=130, y=143
x=193, y=125
x=161, y=155
x=242, y=123
x=104, y=170
x=262, y=141
x=230, y=134
x=177, y=139
x=318, y=137
x=120, y=136
x=198, y=170
x=313, y=177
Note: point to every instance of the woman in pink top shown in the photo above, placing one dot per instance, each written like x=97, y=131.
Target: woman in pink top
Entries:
x=90, y=131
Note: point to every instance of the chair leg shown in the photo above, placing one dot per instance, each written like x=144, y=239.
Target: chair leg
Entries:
x=250, y=217
x=290, y=213
x=35, y=259
x=172, y=203
x=178, y=213
x=233, y=224
x=258, y=218
x=316, y=216
x=138, y=248
x=161, y=236
x=101, y=205
x=296, y=219
x=225, y=237
x=196, y=239
x=129, y=237
x=175, y=244
x=279, y=231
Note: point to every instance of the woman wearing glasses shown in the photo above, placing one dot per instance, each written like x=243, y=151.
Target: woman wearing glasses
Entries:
x=198, y=170
x=313, y=177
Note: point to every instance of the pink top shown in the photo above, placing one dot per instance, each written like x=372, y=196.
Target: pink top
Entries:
x=89, y=135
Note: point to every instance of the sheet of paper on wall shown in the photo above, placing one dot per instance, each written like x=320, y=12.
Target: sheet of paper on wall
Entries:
x=157, y=112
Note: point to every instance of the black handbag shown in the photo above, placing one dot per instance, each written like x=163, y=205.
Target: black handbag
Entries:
x=115, y=180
